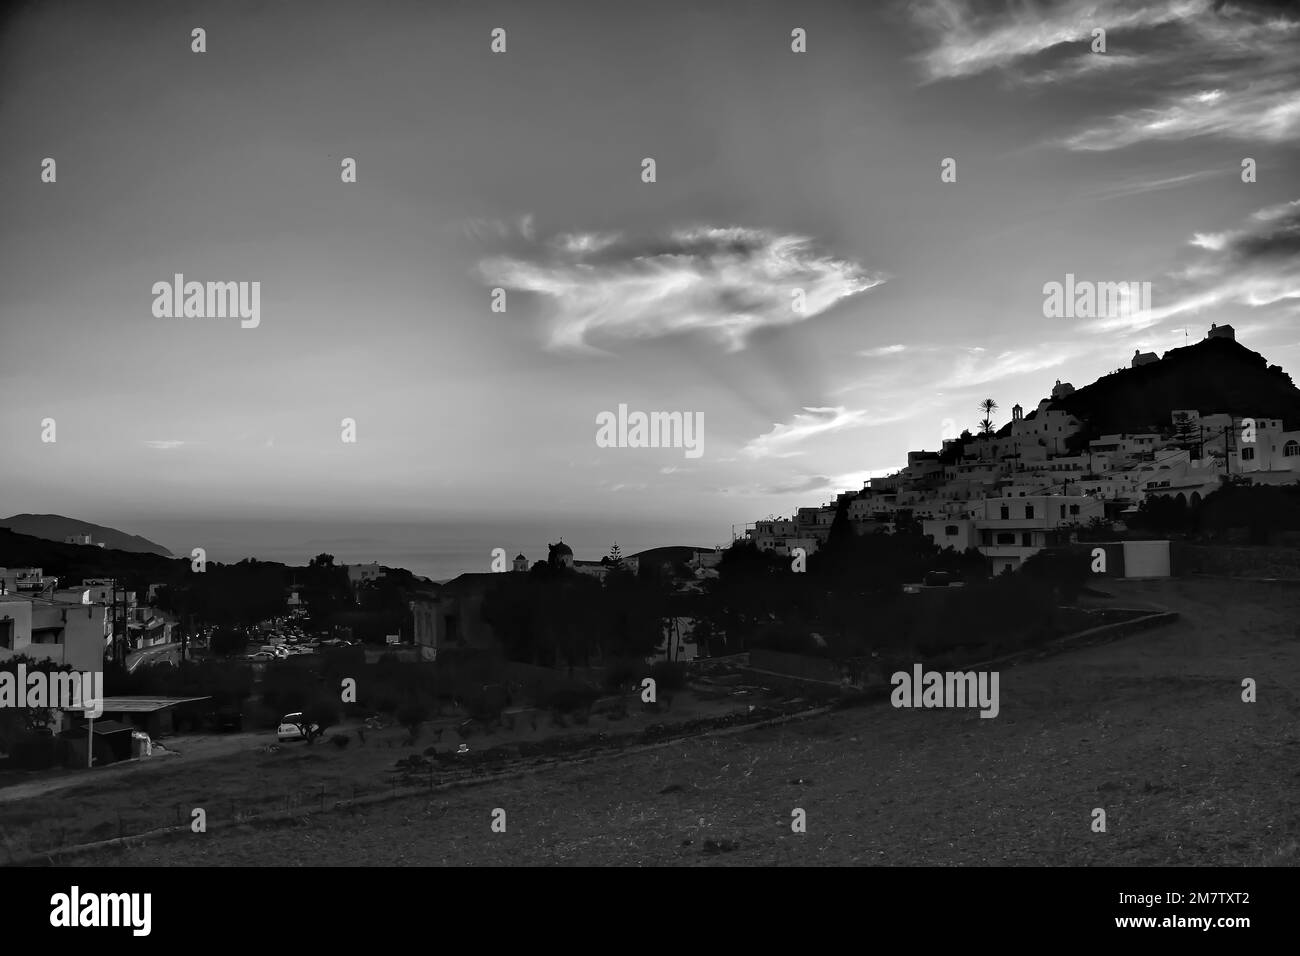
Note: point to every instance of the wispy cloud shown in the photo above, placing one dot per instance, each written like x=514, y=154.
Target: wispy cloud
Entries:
x=1191, y=67
x=979, y=366
x=974, y=37
x=1135, y=187
x=780, y=442
x=950, y=368
x=1266, y=112
x=490, y=229
x=166, y=444
x=814, y=487
x=726, y=283
x=883, y=350
x=1256, y=264
x=585, y=243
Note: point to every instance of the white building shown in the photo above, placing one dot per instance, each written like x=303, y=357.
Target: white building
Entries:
x=71, y=634
x=1010, y=530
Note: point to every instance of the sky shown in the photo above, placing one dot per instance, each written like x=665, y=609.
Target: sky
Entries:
x=522, y=170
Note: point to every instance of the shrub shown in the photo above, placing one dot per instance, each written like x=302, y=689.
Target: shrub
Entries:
x=620, y=673
x=36, y=751
x=567, y=700
x=668, y=675
x=411, y=714
x=787, y=639
x=487, y=703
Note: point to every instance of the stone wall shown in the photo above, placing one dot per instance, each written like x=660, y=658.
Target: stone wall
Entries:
x=1229, y=561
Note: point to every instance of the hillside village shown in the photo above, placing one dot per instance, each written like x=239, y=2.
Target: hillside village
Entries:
x=1040, y=478
x=194, y=654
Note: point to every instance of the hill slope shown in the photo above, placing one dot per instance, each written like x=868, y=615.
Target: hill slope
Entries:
x=57, y=527
x=1214, y=375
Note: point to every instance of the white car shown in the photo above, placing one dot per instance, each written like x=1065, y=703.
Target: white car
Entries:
x=291, y=728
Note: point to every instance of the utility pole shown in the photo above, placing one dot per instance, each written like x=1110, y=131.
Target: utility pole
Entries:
x=1229, y=446
x=112, y=622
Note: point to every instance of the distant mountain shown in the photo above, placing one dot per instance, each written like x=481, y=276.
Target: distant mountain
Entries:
x=1214, y=375
x=58, y=528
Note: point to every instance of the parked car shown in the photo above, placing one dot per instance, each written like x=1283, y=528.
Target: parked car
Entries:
x=262, y=656
x=291, y=727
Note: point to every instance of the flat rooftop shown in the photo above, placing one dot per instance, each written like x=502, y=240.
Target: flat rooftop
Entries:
x=144, y=705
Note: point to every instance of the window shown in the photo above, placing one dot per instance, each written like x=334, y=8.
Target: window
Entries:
x=1027, y=539
x=1248, y=454
x=951, y=530
x=1006, y=513
x=7, y=635
x=1029, y=511
x=1062, y=511
x=1291, y=449
x=1074, y=509
x=1007, y=537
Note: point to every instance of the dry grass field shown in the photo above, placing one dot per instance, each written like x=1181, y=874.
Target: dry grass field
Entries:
x=1150, y=728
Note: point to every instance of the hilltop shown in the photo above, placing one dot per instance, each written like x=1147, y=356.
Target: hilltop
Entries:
x=1214, y=375
x=57, y=528
x=75, y=561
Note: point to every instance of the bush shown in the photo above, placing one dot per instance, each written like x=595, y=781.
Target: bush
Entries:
x=486, y=704
x=623, y=672
x=668, y=675
x=340, y=740
x=38, y=751
x=412, y=714
x=567, y=700
x=787, y=639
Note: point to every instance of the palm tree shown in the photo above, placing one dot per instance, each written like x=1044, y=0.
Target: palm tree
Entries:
x=988, y=407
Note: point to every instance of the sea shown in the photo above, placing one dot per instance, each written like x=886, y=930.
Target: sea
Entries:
x=438, y=551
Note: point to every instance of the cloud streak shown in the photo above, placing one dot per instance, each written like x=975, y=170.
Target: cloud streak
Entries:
x=780, y=442
x=1255, y=264
x=1193, y=68
x=724, y=283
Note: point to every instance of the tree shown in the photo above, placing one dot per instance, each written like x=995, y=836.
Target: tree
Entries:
x=615, y=557
x=988, y=407
x=1066, y=572
x=227, y=641
x=412, y=713
x=1185, y=431
x=318, y=718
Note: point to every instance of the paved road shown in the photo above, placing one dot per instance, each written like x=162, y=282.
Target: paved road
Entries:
x=153, y=655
